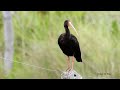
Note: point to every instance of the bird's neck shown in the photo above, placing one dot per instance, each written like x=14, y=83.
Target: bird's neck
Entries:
x=67, y=31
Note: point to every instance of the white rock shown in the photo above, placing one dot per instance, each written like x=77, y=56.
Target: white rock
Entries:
x=71, y=75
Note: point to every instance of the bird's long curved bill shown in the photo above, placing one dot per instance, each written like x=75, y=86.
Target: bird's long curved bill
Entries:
x=73, y=28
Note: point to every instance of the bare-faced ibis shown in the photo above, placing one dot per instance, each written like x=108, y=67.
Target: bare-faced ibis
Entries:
x=69, y=45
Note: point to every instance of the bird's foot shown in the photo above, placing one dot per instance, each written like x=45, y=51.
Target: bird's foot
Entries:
x=71, y=69
x=68, y=69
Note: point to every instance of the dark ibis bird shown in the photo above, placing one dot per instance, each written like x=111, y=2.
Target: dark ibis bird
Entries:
x=69, y=45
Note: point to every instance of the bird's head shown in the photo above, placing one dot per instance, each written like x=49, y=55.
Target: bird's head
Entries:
x=68, y=23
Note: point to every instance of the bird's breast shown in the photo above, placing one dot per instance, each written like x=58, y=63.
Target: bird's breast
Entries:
x=67, y=47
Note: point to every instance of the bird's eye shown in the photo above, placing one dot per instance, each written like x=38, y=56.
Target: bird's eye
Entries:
x=75, y=75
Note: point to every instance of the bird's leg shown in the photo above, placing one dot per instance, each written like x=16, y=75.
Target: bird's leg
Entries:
x=68, y=63
x=72, y=63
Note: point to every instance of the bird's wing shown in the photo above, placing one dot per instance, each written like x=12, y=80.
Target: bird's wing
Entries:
x=77, y=51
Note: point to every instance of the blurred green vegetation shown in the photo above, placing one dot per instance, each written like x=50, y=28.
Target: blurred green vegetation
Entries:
x=36, y=34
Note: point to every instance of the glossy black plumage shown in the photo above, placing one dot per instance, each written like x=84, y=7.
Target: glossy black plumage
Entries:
x=69, y=43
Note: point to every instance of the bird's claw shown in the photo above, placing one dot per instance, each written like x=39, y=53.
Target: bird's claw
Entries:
x=69, y=69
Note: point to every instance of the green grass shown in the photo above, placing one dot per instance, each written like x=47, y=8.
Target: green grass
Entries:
x=36, y=35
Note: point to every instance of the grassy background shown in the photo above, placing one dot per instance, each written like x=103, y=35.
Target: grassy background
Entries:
x=36, y=35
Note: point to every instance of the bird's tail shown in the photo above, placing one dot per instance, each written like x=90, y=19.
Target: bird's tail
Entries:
x=79, y=59
x=77, y=55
